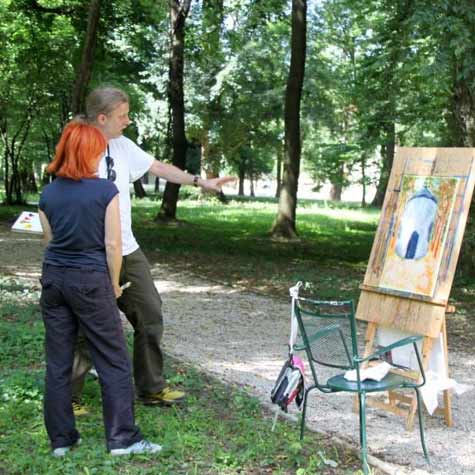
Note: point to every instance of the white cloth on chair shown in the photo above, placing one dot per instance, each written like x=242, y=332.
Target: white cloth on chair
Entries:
x=375, y=373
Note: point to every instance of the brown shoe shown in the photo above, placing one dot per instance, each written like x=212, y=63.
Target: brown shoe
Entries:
x=79, y=409
x=165, y=397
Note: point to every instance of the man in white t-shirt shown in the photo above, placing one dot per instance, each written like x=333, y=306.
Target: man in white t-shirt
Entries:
x=123, y=163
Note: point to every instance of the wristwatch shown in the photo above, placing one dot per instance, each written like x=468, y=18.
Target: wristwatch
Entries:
x=195, y=180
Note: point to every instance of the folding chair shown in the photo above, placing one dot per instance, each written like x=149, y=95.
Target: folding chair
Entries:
x=327, y=333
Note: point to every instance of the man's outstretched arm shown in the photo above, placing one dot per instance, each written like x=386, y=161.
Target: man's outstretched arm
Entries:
x=175, y=175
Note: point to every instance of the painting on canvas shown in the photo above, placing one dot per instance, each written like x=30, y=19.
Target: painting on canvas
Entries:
x=418, y=234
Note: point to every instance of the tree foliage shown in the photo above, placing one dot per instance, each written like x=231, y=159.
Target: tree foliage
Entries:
x=379, y=73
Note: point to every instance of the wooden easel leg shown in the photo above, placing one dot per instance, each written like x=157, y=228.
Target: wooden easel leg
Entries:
x=426, y=349
x=369, y=339
x=448, y=408
x=369, y=342
x=447, y=395
x=392, y=398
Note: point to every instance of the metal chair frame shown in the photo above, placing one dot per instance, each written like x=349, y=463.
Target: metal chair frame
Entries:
x=354, y=362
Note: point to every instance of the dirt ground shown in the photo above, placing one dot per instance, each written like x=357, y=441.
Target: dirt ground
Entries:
x=241, y=338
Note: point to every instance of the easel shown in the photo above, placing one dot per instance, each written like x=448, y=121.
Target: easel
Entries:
x=408, y=311
x=398, y=403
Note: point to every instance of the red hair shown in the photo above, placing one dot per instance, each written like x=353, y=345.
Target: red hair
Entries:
x=78, y=151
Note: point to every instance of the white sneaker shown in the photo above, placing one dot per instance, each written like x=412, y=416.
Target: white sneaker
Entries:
x=62, y=451
x=142, y=447
x=93, y=372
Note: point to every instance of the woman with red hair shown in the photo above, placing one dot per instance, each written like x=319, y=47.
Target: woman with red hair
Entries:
x=79, y=213
x=78, y=152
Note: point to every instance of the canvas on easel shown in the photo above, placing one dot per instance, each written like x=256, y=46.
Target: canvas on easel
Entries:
x=415, y=251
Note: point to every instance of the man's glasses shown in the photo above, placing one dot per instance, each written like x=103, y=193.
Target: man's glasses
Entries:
x=111, y=174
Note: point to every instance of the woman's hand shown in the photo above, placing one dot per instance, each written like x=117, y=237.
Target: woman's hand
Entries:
x=117, y=290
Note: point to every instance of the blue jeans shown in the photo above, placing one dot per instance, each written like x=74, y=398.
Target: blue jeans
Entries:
x=79, y=298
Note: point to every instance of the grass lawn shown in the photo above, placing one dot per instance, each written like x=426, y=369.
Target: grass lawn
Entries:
x=220, y=430
x=231, y=243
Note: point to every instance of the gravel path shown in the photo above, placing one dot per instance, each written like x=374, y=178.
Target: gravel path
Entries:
x=241, y=338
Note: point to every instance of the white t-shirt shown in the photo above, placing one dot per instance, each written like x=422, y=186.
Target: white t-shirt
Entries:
x=130, y=163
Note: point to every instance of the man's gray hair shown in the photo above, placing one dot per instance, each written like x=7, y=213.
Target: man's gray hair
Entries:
x=103, y=100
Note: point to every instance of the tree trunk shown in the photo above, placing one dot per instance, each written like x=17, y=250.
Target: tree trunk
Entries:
x=387, y=152
x=242, y=176
x=395, y=49
x=13, y=144
x=13, y=182
x=83, y=74
x=45, y=178
x=209, y=161
x=337, y=186
x=213, y=19
x=205, y=154
x=178, y=13
x=28, y=179
x=461, y=124
x=285, y=222
x=139, y=190
x=279, y=171
x=462, y=116
x=363, y=180
x=336, y=191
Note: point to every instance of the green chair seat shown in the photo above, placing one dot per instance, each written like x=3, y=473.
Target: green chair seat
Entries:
x=388, y=383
